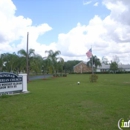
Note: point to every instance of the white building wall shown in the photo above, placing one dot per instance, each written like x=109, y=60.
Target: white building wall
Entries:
x=127, y=69
x=98, y=70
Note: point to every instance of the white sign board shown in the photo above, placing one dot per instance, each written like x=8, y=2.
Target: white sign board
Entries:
x=10, y=82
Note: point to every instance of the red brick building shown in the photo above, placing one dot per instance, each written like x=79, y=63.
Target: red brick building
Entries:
x=81, y=68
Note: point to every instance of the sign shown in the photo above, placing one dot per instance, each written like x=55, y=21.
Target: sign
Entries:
x=123, y=124
x=10, y=82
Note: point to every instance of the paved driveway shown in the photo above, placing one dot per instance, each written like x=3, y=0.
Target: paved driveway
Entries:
x=40, y=77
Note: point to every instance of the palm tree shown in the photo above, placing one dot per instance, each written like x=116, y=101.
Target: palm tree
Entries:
x=53, y=60
x=1, y=62
x=60, y=64
x=95, y=60
x=46, y=66
x=9, y=61
x=36, y=63
x=23, y=55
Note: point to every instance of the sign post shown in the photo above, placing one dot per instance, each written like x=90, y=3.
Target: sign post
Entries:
x=24, y=82
x=11, y=83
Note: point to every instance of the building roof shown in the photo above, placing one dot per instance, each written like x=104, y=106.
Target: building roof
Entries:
x=80, y=63
x=103, y=66
x=119, y=66
x=124, y=66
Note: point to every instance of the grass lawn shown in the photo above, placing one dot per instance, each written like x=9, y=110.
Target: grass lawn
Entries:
x=61, y=104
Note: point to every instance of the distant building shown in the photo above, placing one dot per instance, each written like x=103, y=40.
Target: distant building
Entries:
x=124, y=67
x=82, y=67
x=106, y=68
x=103, y=68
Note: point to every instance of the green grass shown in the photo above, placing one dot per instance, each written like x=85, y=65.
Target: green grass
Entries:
x=61, y=104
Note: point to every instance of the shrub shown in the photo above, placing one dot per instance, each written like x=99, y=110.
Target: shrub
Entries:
x=57, y=75
x=93, y=78
x=54, y=75
x=4, y=95
x=61, y=75
x=64, y=75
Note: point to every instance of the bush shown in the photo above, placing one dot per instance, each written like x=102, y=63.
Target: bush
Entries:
x=57, y=75
x=4, y=95
x=60, y=75
x=54, y=75
x=64, y=75
x=93, y=78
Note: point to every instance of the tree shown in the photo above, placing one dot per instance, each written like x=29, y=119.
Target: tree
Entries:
x=96, y=62
x=60, y=64
x=1, y=62
x=46, y=65
x=9, y=61
x=68, y=65
x=24, y=55
x=116, y=59
x=52, y=60
x=36, y=63
x=113, y=66
x=105, y=60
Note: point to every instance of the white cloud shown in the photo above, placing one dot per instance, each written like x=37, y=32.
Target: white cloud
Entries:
x=96, y=4
x=87, y=2
x=14, y=28
x=108, y=37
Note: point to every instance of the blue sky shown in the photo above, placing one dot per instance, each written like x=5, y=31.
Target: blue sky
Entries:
x=71, y=26
x=62, y=16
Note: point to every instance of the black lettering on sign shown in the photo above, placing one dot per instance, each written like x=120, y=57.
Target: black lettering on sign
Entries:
x=9, y=77
x=10, y=86
x=10, y=82
x=15, y=86
x=3, y=87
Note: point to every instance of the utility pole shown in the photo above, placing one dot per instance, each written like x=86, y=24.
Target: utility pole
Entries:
x=92, y=65
x=92, y=62
x=27, y=58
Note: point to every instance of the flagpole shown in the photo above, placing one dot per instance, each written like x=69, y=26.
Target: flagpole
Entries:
x=92, y=62
x=90, y=55
x=27, y=58
x=92, y=66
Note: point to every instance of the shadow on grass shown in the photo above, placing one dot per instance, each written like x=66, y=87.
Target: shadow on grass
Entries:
x=4, y=96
